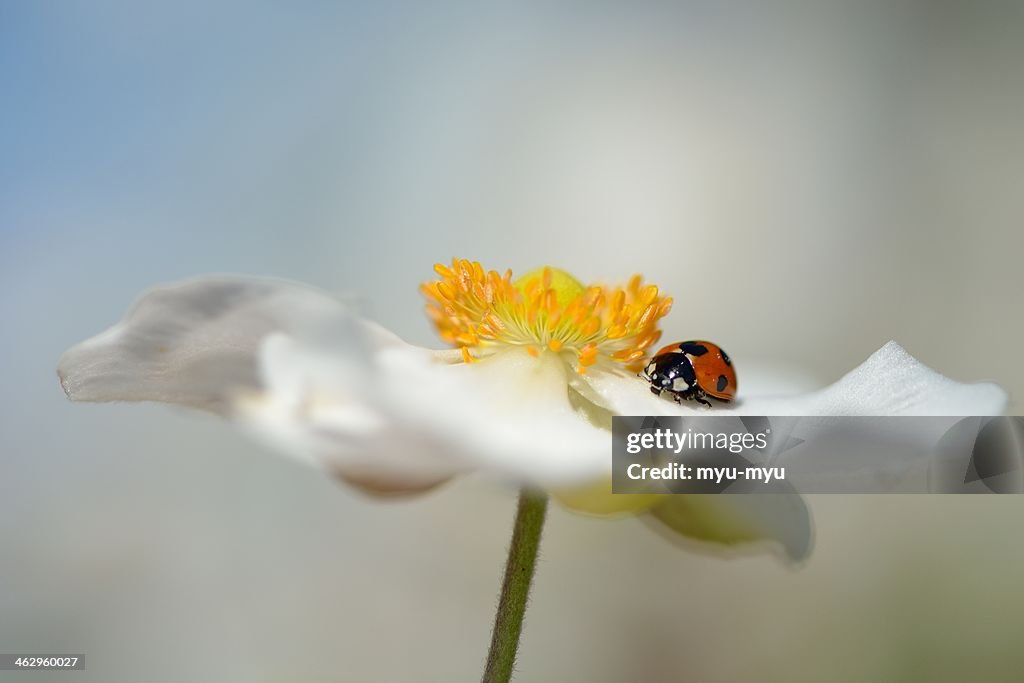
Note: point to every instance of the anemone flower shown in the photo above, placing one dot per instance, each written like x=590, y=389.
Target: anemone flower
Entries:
x=538, y=367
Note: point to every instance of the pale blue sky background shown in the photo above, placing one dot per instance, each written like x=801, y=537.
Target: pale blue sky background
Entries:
x=808, y=179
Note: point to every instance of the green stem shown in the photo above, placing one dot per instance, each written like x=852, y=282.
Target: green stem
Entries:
x=515, y=587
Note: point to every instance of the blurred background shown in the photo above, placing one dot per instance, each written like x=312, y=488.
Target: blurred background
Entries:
x=808, y=179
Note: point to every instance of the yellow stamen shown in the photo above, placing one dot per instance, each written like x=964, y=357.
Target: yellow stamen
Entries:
x=546, y=309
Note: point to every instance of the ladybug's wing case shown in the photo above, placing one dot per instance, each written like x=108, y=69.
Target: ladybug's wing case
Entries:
x=671, y=348
x=715, y=373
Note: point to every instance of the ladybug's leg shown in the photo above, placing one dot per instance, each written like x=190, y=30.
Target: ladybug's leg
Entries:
x=694, y=393
x=655, y=390
x=697, y=394
x=684, y=395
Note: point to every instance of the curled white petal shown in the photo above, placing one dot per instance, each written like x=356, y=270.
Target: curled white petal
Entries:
x=889, y=382
x=219, y=343
x=892, y=382
x=196, y=342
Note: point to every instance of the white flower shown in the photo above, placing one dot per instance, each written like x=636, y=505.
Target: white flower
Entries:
x=541, y=366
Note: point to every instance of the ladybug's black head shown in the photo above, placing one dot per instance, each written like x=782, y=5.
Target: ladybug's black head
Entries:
x=657, y=378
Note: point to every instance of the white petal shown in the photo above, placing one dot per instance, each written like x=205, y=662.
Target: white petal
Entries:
x=892, y=382
x=342, y=393
x=209, y=343
x=322, y=406
x=510, y=414
x=195, y=343
x=738, y=521
x=889, y=382
x=403, y=413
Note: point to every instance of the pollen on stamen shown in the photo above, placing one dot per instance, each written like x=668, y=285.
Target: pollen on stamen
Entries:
x=545, y=311
x=588, y=356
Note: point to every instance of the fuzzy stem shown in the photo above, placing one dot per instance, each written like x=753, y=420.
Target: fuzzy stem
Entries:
x=515, y=587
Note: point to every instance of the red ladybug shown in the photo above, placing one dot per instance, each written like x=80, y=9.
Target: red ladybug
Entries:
x=692, y=371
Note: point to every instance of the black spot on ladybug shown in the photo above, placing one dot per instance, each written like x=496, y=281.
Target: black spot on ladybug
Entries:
x=693, y=349
x=723, y=382
x=725, y=357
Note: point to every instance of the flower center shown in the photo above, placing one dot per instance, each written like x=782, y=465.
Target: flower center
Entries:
x=546, y=310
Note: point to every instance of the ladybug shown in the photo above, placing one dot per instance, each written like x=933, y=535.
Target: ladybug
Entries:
x=692, y=371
